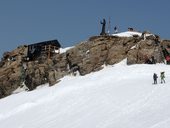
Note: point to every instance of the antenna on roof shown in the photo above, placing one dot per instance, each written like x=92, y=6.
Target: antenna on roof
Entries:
x=109, y=26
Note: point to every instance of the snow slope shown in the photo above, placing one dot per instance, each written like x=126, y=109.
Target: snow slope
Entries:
x=118, y=96
x=62, y=50
x=127, y=34
x=131, y=34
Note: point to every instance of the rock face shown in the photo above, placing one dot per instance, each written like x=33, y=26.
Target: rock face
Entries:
x=86, y=57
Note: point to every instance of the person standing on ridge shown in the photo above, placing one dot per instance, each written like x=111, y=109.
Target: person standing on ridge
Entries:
x=115, y=29
x=155, y=78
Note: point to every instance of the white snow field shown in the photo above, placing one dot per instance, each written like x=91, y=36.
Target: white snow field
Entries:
x=118, y=96
x=127, y=34
x=131, y=34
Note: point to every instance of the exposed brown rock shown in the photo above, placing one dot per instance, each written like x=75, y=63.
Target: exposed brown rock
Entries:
x=86, y=57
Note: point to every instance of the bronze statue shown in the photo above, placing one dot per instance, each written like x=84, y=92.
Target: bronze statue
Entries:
x=103, y=27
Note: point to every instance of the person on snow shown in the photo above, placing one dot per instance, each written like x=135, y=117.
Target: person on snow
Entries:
x=162, y=77
x=155, y=78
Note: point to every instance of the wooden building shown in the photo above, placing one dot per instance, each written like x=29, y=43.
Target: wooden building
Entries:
x=43, y=48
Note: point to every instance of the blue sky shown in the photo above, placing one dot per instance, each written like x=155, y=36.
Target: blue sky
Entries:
x=71, y=21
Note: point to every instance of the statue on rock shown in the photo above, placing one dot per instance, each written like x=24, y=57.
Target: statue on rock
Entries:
x=103, y=27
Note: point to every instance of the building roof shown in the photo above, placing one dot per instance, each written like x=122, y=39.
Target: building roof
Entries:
x=49, y=42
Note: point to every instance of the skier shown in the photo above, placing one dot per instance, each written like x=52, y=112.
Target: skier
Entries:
x=162, y=77
x=155, y=78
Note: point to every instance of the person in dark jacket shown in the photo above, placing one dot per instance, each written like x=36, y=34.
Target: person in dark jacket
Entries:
x=115, y=30
x=155, y=77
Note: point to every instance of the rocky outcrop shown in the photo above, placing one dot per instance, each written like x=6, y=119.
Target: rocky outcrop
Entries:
x=86, y=57
x=99, y=50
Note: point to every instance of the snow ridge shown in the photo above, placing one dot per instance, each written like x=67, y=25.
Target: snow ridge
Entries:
x=117, y=96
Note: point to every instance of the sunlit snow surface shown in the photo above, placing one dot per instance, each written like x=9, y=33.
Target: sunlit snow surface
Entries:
x=127, y=34
x=118, y=96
